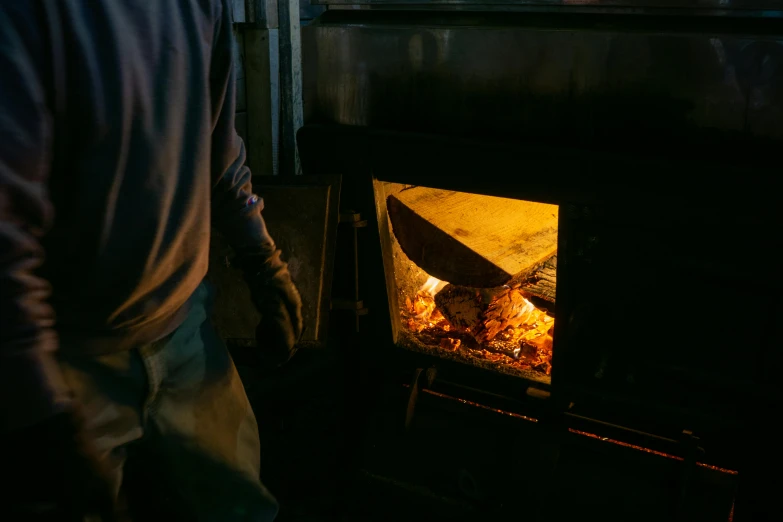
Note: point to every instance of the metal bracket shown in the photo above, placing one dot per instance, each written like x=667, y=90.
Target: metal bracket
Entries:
x=690, y=453
x=537, y=393
x=347, y=304
x=421, y=379
x=354, y=220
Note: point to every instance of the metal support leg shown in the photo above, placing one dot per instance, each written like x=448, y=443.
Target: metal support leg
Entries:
x=690, y=453
x=355, y=221
x=421, y=379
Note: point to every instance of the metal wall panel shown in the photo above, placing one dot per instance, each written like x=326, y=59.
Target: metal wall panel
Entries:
x=763, y=7
x=501, y=75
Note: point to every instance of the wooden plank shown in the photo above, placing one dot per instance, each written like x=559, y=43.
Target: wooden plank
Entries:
x=262, y=13
x=240, y=124
x=470, y=239
x=292, y=114
x=259, y=101
x=238, y=11
x=239, y=69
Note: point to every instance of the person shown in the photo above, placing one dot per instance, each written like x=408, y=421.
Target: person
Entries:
x=118, y=155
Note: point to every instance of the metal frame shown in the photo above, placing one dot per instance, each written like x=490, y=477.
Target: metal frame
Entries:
x=633, y=428
x=438, y=162
x=236, y=318
x=330, y=237
x=355, y=304
x=712, y=7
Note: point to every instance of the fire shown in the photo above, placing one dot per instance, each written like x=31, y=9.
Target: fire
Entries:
x=432, y=286
x=422, y=308
x=506, y=328
x=527, y=325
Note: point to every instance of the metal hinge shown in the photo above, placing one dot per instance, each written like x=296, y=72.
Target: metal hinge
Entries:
x=355, y=305
x=353, y=219
x=422, y=379
x=348, y=304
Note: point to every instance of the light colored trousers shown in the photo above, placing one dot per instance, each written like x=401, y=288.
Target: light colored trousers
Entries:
x=181, y=400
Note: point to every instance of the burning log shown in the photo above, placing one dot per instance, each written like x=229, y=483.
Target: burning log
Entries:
x=488, y=313
x=498, y=324
x=542, y=283
x=463, y=307
x=510, y=310
x=473, y=240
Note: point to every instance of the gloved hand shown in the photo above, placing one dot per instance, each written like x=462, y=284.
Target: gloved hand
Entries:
x=278, y=302
x=53, y=472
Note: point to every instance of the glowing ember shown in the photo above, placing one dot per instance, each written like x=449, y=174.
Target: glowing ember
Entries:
x=499, y=325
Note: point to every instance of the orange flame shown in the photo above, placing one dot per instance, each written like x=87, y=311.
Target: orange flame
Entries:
x=422, y=307
x=432, y=286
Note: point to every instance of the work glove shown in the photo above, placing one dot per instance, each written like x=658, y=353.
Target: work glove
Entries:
x=53, y=473
x=277, y=300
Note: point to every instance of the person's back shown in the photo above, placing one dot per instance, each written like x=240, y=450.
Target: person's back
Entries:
x=117, y=152
x=131, y=178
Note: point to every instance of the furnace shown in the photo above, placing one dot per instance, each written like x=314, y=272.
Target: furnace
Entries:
x=470, y=277
x=577, y=226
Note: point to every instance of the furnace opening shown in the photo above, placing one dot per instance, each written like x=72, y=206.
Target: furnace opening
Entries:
x=471, y=278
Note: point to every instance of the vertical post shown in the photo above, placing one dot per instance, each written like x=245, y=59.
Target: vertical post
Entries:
x=260, y=21
x=292, y=117
x=238, y=11
x=259, y=101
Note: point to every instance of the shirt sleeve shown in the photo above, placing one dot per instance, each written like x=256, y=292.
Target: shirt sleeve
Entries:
x=236, y=211
x=31, y=385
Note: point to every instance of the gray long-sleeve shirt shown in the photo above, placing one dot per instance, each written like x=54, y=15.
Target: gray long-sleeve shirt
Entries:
x=117, y=151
